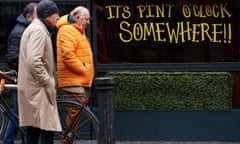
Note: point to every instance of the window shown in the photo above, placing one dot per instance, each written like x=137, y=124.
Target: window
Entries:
x=9, y=11
x=172, y=31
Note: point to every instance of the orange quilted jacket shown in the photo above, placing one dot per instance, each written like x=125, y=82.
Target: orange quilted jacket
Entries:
x=75, y=64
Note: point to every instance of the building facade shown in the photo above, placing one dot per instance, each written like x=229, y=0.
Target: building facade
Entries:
x=154, y=35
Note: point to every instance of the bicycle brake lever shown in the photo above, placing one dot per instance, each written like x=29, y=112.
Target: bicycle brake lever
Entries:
x=13, y=72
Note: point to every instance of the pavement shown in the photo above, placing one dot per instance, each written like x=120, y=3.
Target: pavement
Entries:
x=163, y=142
x=173, y=142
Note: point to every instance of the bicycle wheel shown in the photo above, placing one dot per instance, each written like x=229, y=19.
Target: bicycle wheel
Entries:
x=3, y=121
x=79, y=124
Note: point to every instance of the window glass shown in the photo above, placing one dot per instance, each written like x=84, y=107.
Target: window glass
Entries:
x=9, y=11
x=160, y=31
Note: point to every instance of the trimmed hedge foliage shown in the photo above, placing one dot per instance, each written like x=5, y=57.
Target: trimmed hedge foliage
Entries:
x=172, y=91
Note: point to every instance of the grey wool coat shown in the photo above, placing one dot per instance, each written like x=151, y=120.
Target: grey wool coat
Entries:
x=36, y=79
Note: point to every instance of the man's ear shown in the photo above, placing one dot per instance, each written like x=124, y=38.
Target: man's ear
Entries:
x=28, y=16
x=78, y=17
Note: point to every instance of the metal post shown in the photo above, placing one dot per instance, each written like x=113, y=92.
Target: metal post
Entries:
x=104, y=86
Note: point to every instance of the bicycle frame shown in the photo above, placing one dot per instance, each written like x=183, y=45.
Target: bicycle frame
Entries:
x=65, y=104
x=9, y=113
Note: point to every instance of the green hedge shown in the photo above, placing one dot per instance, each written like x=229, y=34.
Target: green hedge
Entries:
x=172, y=91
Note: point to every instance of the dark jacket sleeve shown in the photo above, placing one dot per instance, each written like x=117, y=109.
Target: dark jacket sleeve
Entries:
x=13, y=46
x=54, y=42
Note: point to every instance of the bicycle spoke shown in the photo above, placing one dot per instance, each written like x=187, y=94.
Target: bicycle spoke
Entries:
x=79, y=125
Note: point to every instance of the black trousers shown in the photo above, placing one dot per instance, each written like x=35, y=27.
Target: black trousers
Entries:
x=33, y=135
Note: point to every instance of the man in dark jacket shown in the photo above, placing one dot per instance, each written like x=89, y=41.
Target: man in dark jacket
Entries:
x=23, y=20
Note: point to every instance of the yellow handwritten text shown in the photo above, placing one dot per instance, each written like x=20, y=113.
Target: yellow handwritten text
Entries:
x=182, y=32
x=155, y=11
x=118, y=11
x=204, y=11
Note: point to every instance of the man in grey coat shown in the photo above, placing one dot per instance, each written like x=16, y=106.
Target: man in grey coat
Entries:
x=36, y=78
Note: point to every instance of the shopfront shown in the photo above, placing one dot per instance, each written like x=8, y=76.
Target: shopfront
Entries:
x=159, y=35
x=154, y=35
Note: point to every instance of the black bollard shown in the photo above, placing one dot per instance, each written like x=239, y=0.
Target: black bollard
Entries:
x=104, y=87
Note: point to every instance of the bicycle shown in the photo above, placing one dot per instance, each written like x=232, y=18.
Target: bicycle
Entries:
x=83, y=128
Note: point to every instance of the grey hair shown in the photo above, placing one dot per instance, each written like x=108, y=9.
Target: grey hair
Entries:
x=80, y=10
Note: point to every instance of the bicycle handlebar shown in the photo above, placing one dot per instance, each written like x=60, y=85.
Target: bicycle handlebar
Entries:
x=11, y=86
x=11, y=72
x=9, y=75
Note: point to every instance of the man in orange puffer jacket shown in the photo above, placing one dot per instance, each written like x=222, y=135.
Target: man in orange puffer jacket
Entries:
x=75, y=63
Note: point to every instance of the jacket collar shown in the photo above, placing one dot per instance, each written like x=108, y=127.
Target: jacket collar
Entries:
x=70, y=19
x=21, y=19
x=42, y=24
x=73, y=23
x=47, y=26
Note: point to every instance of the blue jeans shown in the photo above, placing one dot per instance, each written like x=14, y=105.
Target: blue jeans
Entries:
x=11, y=131
x=33, y=135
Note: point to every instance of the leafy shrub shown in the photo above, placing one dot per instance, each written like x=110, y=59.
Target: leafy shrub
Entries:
x=172, y=91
